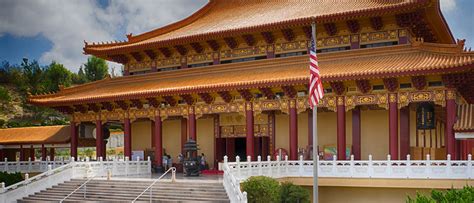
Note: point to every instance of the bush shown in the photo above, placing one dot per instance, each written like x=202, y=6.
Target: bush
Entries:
x=261, y=189
x=10, y=178
x=464, y=195
x=291, y=193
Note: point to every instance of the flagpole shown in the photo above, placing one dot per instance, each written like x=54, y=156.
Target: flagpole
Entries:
x=315, y=134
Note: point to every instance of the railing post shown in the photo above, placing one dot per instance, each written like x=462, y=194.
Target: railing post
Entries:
x=352, y=166
x=286, y=165
x=50, y=170
x=469, y=165
x=245, y=197
x=29, y=164
x=2, y=187
x=149, y=164
x=259, y=162
x=270, y=167
x=448, y=165
x=389, y=165
x=300, y=167
x=428, y=166
x=371, y=167
x=6, y=165
x=18, y=166
x=126, y=165
x=334, y=169
x=408, y=166
x=237, y=159
x=138, y=165
x=278, y=166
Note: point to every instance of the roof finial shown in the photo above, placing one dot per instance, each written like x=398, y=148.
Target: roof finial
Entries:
x=85, y=43
x=129, y=36
x=461, y=43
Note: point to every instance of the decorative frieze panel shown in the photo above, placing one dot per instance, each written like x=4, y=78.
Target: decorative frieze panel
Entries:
x=200, y=58
x=336, y=41
x=135, y=114
x=436, y=96
x=389, y=35
x=243, y=52
x=116, y=114
x=241, y=131
x=173, y=61
x=138, y=66
x=85, y=117
x=291, y=46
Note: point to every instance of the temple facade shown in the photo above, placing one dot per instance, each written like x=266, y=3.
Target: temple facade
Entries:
x=234, y=77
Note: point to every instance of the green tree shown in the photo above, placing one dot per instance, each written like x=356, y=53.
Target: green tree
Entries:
x=80, y=77
x=56, y=75
x=262, y=189
x=294, y=193
x=4, y=95
x=95, y=69
x=33, y=74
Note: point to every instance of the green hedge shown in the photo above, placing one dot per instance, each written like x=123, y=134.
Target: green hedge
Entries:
x=261, y=189
x=10, y=178
x=465, y=195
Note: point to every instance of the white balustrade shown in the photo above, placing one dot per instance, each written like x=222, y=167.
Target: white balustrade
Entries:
x=236, y=172
x=67, y=170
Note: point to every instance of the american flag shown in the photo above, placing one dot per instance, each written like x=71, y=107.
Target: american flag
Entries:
x=315, y=85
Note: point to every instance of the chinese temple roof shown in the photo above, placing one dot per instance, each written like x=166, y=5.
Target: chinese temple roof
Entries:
x=465, y=118
x=394, y=61
x=35, y=135
x=224, y=17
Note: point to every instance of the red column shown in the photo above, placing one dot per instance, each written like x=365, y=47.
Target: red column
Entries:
x=127, y=138
x=192, y=124
x=74, y=140
x=51, y=154
x=293, y=131
x=404, y=132
x=450, y=120
x=2, y=154
x=341, y=128
x=265, y=147
x=32, y=153
x=356, y=138
x=184, y=133
x=98, y=139
x=271, y=132
x=230, y=148
x=43, y=153
x=22, y=153
x=217, y=141
x=158, y=143
x=393, y=126
x=249, y=129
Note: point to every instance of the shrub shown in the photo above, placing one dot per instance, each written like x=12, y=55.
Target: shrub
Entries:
x=10, y=178
x=291, y=193
x=261, y=189
x=454, y=195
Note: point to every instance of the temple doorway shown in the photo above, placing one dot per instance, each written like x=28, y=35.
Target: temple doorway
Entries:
x=240, y=148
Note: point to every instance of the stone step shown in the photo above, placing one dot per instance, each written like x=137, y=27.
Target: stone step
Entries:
x=136, y=193
x=140, y=189
x=157, y=185
x=144, y=197
x=168, y=181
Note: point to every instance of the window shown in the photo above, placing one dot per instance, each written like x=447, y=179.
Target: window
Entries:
x=299, y=53
x=381, y=44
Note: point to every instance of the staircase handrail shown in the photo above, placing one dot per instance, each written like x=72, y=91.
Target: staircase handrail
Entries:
x=173, y=178
x=83, y=184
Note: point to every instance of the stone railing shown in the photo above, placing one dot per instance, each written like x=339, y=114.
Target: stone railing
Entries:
x=236, y=172
x=36, y=166
x=79, y=169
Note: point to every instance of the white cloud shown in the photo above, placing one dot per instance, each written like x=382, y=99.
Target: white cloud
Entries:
x=448, y=5
x=68, y=23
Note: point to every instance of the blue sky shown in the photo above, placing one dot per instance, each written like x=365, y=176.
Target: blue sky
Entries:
x=55, y=29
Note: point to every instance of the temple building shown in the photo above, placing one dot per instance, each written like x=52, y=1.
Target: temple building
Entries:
x=234, y=77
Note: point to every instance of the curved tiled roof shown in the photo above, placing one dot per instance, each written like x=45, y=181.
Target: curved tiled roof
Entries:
x=225, y=16
x=35, y=135
x=465, y=118
x=394, y=61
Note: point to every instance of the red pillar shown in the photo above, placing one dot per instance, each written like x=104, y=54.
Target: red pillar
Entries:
x=51, y=154
x=192, y=124
x=127, y=136
x=2, y=154
x=74, y=140
x=22, y=153
x=356, y=138
x=43, y=153
x=249, y=129
x=184, y=133
x=450, y=120
x=393, y=126
x=217, y=141
x=230, y=148
x=32, y=153
x=404, y=132
x=158, y=142
x=293, y=131
x=341, y=128
x=98, y=139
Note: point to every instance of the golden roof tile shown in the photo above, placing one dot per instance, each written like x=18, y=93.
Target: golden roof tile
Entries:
x=465, y=118
x=393, y=61
x=35, y=135
x=228, y=16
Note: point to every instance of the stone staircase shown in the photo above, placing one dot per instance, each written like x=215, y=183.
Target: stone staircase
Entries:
x=127, y=190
